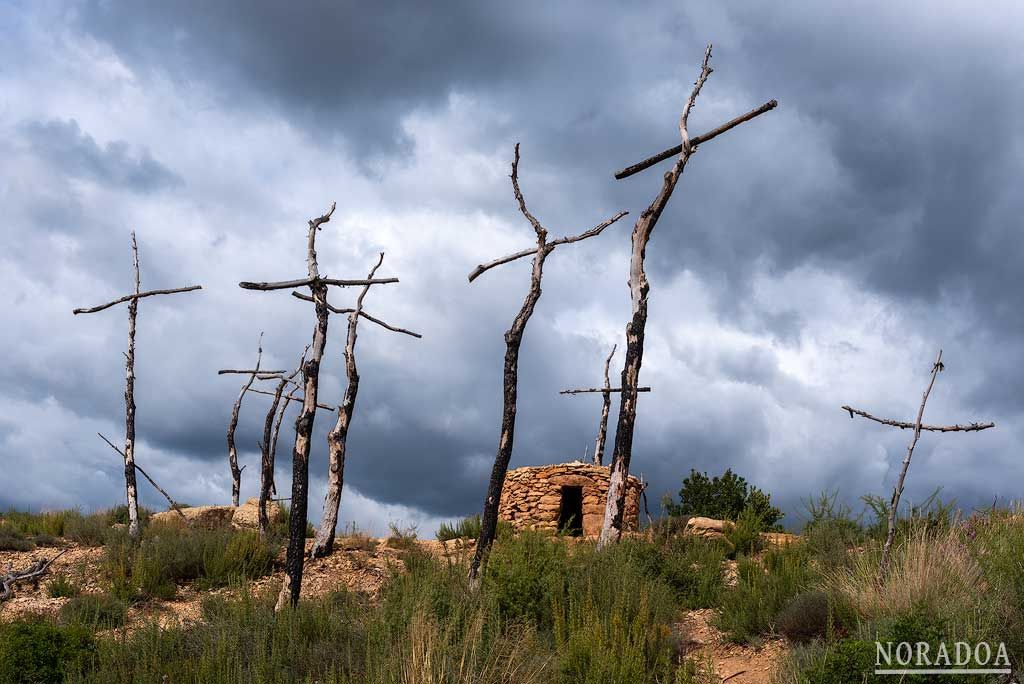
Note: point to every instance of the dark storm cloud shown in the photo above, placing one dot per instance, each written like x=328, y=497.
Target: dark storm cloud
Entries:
x=890, y=163
x=65, y=145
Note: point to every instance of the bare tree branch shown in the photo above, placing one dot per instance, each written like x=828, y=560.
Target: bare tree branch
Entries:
x=13, y=577
x=337, y=310
x=596, y=230
x=606, y=407
x=695, y=141
x=171, y=502
x=302, y=282
x=136, y=297
x=260, y=374
x=288, y=398
x=236, y=473
x=903, y=425
x=603, y=390
x=337, y=439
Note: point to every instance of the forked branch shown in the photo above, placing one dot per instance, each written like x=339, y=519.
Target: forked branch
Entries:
x=32, y=573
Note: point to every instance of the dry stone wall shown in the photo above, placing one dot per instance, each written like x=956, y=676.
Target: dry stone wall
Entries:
x=534, y=497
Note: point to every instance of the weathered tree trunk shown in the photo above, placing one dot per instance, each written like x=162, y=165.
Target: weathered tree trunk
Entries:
x=611, y=529
x=606, y=406
x=267, y=458
x=236, y=472
x=510, y=380
x=898, y=489
x=295, y=557
x=323, y=544
x=131, y=488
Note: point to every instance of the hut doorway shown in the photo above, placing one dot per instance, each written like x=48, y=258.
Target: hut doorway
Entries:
x=570, y=513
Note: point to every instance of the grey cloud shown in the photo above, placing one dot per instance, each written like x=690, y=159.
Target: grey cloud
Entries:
x=64, y=144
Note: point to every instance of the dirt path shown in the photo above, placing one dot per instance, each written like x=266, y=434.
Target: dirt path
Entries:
x=734, y=663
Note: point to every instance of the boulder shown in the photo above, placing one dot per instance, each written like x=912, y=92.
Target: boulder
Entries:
x=247, y=516
x=705, y=527
x=205, y=517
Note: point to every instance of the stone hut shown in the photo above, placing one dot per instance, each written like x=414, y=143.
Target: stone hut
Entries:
x=566, y=496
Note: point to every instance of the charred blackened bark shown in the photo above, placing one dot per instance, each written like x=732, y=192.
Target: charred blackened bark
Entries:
x=510, y=378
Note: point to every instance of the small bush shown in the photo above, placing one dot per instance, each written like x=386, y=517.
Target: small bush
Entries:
x=749, y=610
x=46, y=540
x=402, y=538
x=354, y=540
x=467, y=528
x=12, y=541
x=118, y=515
x=30, y=524
x=61, y=586
x=611, y=618
x=97, y=611
x=41, y=653
x=693, y=568
x=807, y=616
x=744, y=535
x=87, y=530
x=522, y=574
x=169, y=555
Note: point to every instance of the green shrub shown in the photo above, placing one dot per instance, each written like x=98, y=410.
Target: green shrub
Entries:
x=723, y=498
x=97, y=611
x=611, y=618
x=744, y=535
x=168, y=555
x=61, y=586
x=87, y=530
x=46, y=540
x=523, y=573
x=30, y=524
x=402, y=538
x=467, y=528
x=749, y=610
x=693, y=568
x=13, y=541
x=849, y=661
x=34, y=652
x=806, y=616
x=118, y=515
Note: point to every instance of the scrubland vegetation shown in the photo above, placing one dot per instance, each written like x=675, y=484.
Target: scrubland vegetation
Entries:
x=549, y=609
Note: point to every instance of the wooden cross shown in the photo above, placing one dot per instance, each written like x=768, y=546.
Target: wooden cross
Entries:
x=611, y=529
x=606, y=405
x=337, y=439
x=131, y=489
x=513, y=340
x=917, y=426
x=317, y=285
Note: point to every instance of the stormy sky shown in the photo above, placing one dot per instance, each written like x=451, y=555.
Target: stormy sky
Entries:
x=817, y=256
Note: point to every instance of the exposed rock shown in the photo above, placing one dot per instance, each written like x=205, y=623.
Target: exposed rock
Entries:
x=247, y=516
x=709, y=528
x=206, y=517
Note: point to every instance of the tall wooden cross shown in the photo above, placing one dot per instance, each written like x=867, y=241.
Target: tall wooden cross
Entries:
x=317, y=285
x=917, y=426
x=611, y=529
x=513, y=340
x=606, y=404
x=131, y=490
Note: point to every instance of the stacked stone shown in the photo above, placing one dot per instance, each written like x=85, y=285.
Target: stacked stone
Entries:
x=532, y=496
